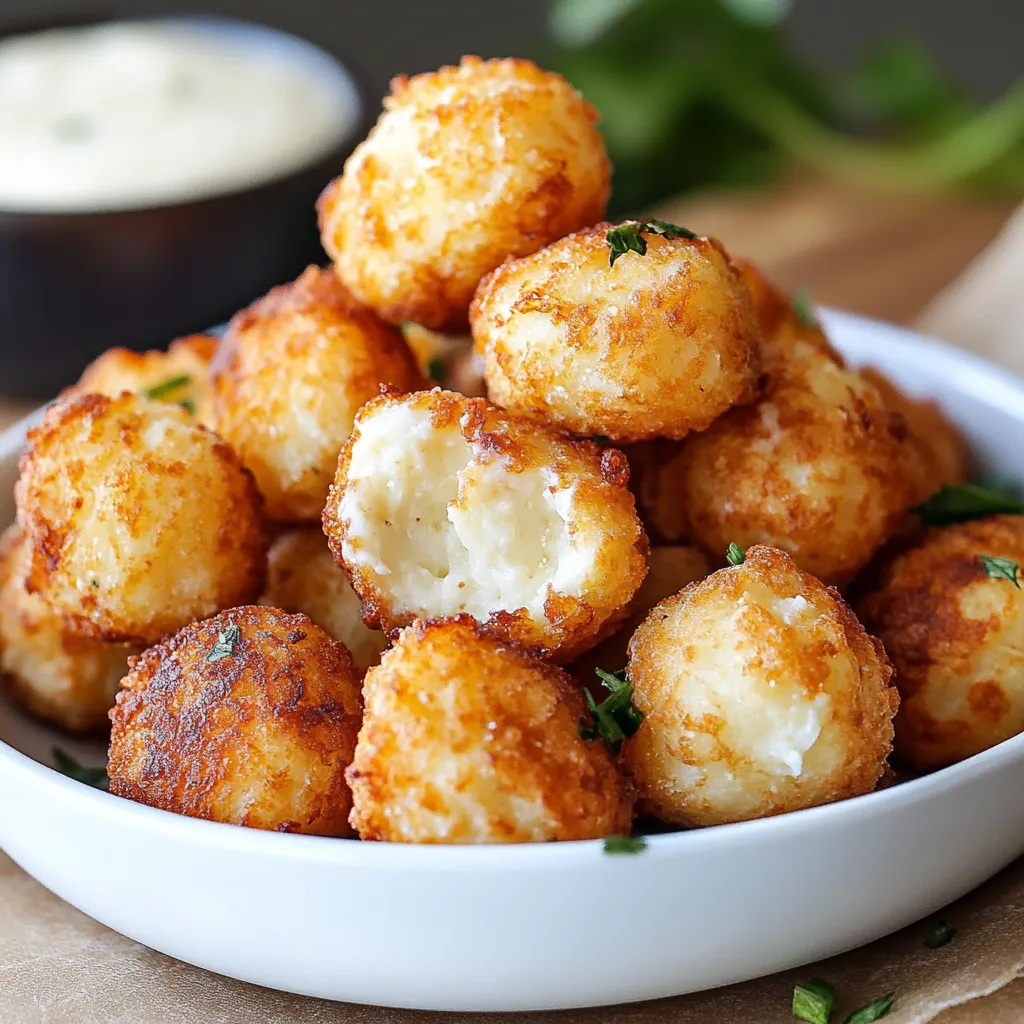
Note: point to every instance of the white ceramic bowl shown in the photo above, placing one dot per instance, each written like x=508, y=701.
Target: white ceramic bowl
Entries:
x=531, y=927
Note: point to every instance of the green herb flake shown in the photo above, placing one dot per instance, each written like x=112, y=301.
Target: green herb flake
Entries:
x=873, y=1011
x=188, y=405
x=629, y=237
x=964, y=502
x=735, y=555
x=803, y=308
x=225, y=645
x=1000, y=569
x=813, y=1001
x=617, y=845
x=164, y=388
x=941, y=934
x=74, y=769
x=614, y=718
x=435, y=370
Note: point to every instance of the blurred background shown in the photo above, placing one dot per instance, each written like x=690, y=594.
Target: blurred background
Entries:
x=880, y=132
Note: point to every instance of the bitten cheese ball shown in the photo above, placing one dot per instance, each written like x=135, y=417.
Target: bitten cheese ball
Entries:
x=956, y=637
x=249, y=718
x=818, y=467
x=445, y=505
x=68, y=679
x=138, y=520
x=466, y=165
x=941, y=452
x=302, y=576
x=292, y=371
x=180, y=375
x=657, y=345
x=761, y=694
x=466, y=740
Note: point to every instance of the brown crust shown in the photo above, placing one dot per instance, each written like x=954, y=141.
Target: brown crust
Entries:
x=260, y=738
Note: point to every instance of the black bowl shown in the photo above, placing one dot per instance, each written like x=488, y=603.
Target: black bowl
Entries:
x=74, y=284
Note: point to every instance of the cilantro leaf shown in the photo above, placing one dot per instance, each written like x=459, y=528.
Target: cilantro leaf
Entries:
x=735, y=555
x=167, y=386
x=74, y=769
x=1000, y=569
x=940, y=934
x=663, y=227
x=873, y=1011
x=962, y=503
x=225, y=645
x=615, y=718
x=813, y=1001
x=616, y=845
x=629, y=237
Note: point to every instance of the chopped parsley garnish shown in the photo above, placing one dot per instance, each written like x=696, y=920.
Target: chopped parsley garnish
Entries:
x=629, y=237
x=964, y=502
x=803, y=309
x=873, y=1011
x=940, y=935
x=225, y=645
x=435, y=370
x=813, y=1001
x=1000, y=569
x=188, y=405
x=164, y=388
x=734, y=554
x=616, y=845
x=614, y=718
x=73, y=769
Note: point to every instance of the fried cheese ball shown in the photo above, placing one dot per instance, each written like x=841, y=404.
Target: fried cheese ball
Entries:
x=302, y=576
x=467, y=740
x=466, y=165
x=445, y=505
x=657, y=345
x=956, y=637
x=249, y=718
x=180, y=375
x=818, y=467
x=941, y=451
x=761, y=694
x=292, y=371
x=138, y=520
x=67, y=679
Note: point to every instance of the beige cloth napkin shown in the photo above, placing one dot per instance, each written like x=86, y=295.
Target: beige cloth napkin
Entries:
x=59, y=967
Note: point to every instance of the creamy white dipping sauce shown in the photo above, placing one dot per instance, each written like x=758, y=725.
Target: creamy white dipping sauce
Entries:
x=135, y=114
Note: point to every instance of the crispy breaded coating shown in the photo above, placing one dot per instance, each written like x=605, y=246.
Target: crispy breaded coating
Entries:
x=468, y=740
x=761, y=694
x=138, y=520
x=818, y=467
x=180, y=375
x=302, y=576
x=942, y=453
x=292, y=371
x=466, y=165
x=956, y=637
x=445, y=505
x=249, y=718
x=657, y=345
x=69, y=680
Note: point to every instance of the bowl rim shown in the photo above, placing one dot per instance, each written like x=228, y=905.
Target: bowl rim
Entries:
x=975, y=376
x=288, y=48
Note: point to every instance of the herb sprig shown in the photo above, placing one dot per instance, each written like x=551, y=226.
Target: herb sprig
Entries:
x=172, y=384
x=873, y=1011
x=964, y=502
x=74, y=769
x=941, y=934
x=225, y=645
x=629, y=237
x=624, y=845
x=1000, y=569
x=813, y=1001
x=734, y=554
x=615, y=718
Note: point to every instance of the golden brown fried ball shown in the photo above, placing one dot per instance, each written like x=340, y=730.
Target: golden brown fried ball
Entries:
x=655, y=346
x=292, y=371
x=466, y=740
x=670, y=568
x=68, y=679
x=138, y=520
x=180, y=375
x=302, y=576
x=761, y=694
x=818, y=467
x=249, y=718
x=956, y=637
x=942, y=454
x=446, y=505
x=466, y=165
